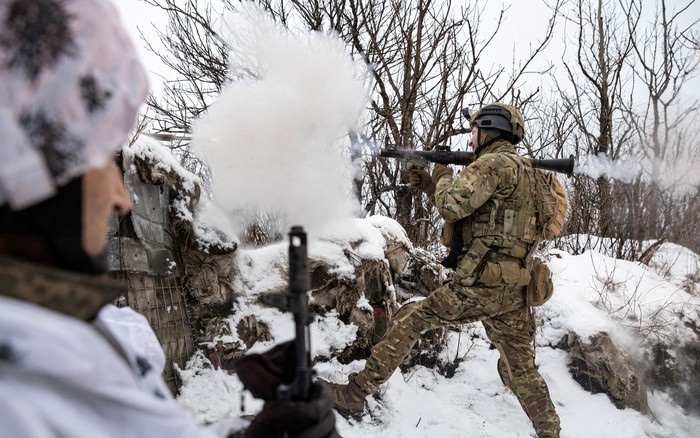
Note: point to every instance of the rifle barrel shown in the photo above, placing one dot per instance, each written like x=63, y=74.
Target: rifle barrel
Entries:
x=299, y=285
x=296, y=301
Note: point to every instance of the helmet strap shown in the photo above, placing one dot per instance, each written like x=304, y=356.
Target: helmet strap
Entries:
x=482, y=147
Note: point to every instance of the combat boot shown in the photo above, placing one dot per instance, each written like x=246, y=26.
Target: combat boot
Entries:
x=349, y=399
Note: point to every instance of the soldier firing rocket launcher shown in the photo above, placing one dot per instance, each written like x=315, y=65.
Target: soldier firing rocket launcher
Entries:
x=443, y=155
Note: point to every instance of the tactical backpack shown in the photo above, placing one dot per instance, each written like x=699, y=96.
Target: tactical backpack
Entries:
x=551, y=213
x=551, y=205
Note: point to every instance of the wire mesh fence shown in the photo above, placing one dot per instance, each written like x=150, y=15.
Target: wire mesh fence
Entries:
x=161, y=301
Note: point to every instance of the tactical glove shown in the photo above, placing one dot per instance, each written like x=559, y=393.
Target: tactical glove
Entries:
x=420, y=179
x=311, y=419
x=440, y=170
x=261, y=374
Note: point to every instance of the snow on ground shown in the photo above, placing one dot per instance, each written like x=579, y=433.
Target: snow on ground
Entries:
x=593, y=293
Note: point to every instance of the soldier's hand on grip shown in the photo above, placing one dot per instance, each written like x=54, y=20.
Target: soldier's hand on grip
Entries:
x=421, y=180
x=310, y=419
x=262, y=373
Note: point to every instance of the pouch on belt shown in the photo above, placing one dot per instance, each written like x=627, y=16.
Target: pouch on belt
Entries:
x=540, y=288
x=469, y=267
x=504, y=272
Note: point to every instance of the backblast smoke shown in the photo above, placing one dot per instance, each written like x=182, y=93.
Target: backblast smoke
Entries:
x=275, y=137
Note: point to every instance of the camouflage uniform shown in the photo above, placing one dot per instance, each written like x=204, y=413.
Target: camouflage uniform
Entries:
x=494, y=196
x=77, y=295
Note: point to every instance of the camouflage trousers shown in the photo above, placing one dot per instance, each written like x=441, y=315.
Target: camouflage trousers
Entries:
x=509, y=325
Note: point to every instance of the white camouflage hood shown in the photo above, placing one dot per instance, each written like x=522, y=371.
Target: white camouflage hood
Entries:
x=70, y=87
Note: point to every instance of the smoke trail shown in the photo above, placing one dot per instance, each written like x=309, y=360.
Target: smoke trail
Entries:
x=681, y=176
x=272, y=137
x=601, y=165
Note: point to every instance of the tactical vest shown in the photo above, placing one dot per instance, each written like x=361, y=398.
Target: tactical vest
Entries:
x=507, y=225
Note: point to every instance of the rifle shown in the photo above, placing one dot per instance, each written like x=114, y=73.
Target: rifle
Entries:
x=443, y=155
x=296, y=301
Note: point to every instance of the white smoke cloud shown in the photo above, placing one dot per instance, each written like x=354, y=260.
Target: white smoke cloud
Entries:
x=601, y=165
x=274, y=138
x=680, y=175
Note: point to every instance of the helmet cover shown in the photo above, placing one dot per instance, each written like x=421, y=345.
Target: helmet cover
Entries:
x=71, y=83
x=500, y=116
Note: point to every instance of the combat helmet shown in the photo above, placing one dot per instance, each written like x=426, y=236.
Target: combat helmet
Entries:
x=506, y=118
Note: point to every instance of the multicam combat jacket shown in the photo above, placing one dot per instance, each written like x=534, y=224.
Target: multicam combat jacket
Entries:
x=494, y=199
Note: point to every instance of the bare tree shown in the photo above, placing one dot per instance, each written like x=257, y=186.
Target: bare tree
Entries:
x=199, y=58
x=665, y=125
x=597, y=80
x=427, y=58
x=623, y=93
x=428, y=61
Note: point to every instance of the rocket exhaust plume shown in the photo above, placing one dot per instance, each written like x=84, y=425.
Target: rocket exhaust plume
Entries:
x=273, y=137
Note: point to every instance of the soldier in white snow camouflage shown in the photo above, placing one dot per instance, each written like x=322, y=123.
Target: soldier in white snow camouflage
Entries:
x=492, y=204
x=72, y=364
